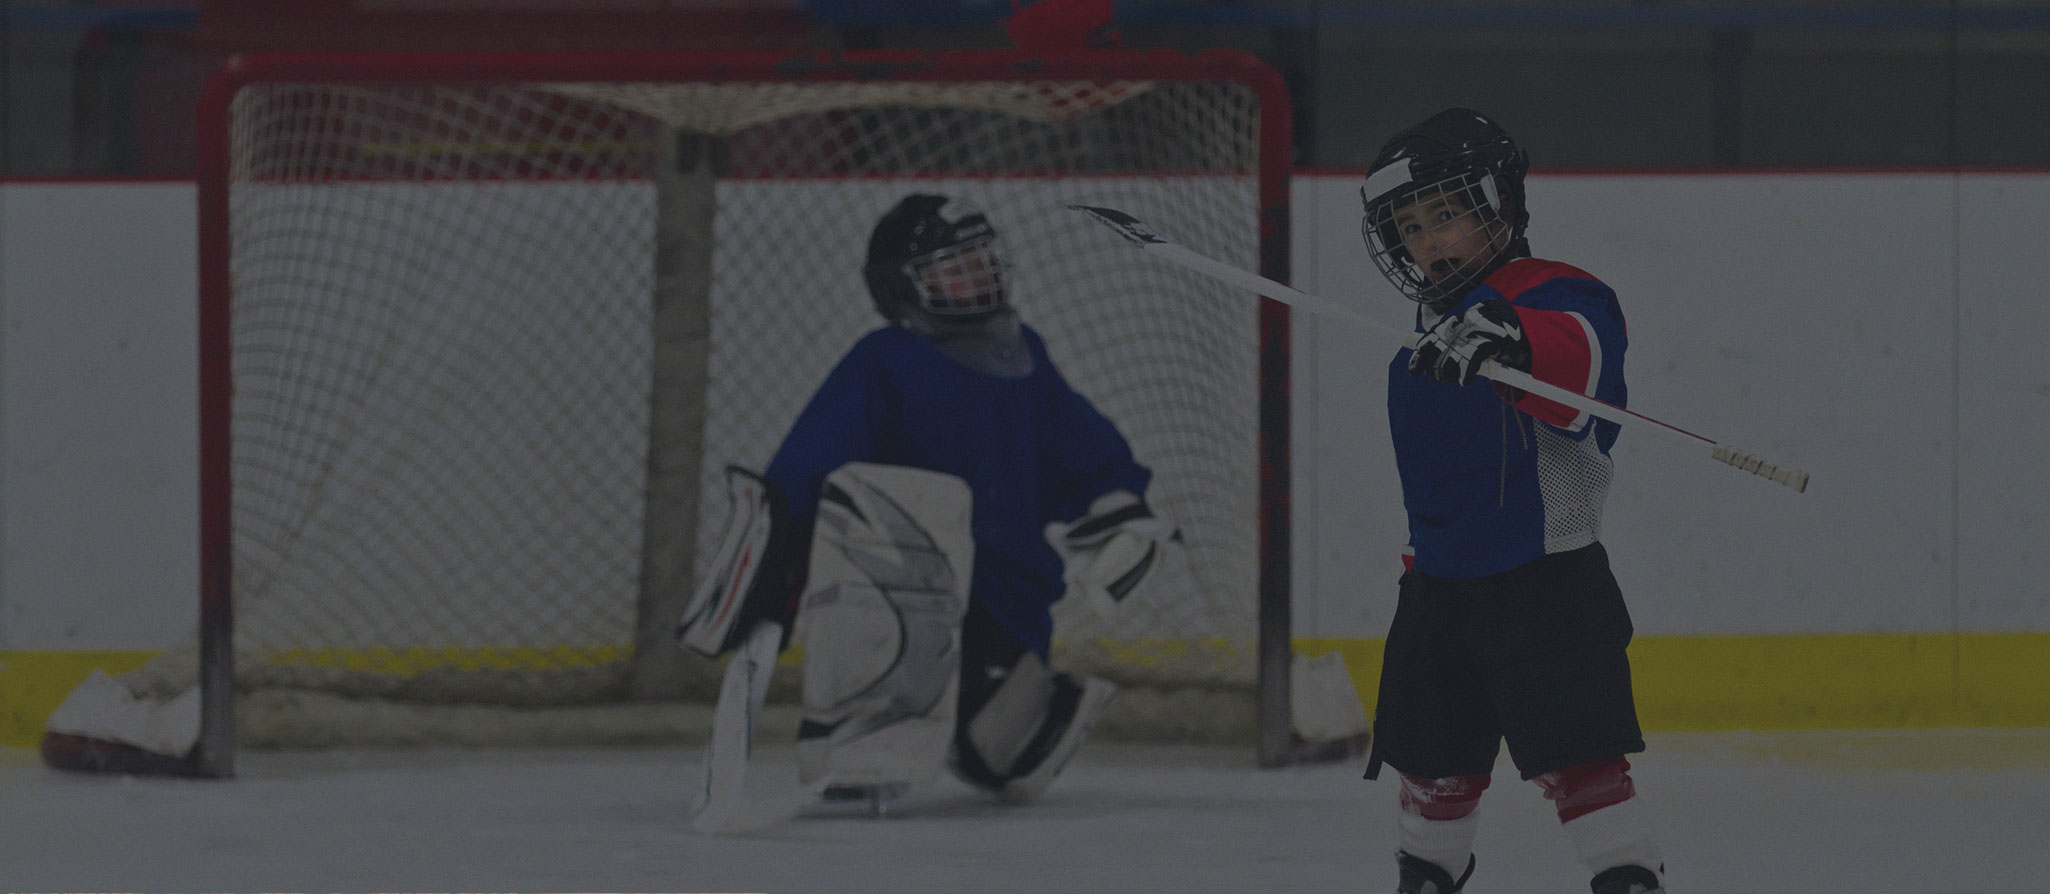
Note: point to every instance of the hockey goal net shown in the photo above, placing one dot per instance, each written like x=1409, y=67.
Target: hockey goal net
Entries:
x=480, y=333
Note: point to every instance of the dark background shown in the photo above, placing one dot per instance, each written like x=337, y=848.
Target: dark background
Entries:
x=100, y=89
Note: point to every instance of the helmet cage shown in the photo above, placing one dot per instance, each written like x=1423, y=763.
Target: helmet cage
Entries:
x=1478, y=253
x=963, y=281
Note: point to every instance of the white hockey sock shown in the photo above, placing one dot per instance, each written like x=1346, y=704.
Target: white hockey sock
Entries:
x=1616, y=835
x=1448, y=843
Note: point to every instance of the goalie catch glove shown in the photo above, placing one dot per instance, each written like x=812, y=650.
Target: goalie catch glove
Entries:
x=1115, y=548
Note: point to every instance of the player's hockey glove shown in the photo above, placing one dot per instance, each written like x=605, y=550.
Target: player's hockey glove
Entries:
x=1455, y=347
x=1115, y=548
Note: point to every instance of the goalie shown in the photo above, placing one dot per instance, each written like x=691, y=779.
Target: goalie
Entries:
x=932, y=475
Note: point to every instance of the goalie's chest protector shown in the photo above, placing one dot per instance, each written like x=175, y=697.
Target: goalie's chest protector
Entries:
x=994, y=432
x=1489, y=487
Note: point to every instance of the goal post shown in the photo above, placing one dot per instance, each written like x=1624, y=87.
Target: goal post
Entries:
x=478, y=330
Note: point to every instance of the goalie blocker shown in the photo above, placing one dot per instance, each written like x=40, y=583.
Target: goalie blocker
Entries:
x=753, y=574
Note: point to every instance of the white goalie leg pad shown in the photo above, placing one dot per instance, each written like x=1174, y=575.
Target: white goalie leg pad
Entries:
x=1005, y=725
x=1029, y=729
x=881, y=624
x=749, y=569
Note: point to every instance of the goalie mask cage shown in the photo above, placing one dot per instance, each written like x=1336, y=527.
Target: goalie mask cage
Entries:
x=480, y=331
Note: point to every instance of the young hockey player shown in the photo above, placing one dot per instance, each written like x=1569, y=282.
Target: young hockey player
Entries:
x=924, y=474
x=1509, y=625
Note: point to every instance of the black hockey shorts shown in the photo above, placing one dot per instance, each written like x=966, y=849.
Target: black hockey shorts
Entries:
x=1534, y=656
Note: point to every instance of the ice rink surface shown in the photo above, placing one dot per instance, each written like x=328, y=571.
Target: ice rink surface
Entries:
x=1915, y=812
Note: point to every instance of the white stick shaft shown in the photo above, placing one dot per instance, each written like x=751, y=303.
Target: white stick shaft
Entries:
x=1294, y=297
x=1137, y=232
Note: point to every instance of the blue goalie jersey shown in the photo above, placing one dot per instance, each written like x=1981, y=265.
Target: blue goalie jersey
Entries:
x=1032, y=449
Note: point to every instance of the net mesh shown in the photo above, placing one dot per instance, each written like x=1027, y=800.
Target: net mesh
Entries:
x=445, y=304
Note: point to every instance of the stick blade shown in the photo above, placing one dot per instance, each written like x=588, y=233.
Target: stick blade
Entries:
x=1124, y=224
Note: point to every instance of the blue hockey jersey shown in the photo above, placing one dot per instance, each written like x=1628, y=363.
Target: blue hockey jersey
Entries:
x=1487, y=487
x=1032, y=450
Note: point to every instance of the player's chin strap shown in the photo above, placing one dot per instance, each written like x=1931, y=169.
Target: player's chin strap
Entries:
x=1115, y=549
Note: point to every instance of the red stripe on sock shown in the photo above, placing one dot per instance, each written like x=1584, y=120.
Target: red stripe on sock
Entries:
x=1583, y=789
x=1447, y=798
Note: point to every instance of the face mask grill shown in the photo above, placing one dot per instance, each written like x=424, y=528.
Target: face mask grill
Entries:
x=1452, y=222
x=960, y=280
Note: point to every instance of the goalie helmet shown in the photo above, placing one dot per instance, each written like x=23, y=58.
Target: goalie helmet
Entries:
x=934, y=265
x=1466, y=171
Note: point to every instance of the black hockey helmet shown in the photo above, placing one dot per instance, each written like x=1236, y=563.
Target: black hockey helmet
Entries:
x=934, y=264
x=1465, y=156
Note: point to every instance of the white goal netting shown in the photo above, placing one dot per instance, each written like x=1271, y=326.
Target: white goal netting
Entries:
x=492, y=344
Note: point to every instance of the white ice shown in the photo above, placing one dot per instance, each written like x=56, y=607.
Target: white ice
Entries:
x=1914, y=812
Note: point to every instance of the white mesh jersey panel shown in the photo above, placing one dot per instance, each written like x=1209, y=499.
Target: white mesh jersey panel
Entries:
x=1573, y=481
x=1573, y=476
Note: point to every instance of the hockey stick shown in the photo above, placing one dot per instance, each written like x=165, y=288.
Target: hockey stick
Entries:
x=723, y=807
x=1138, y=233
